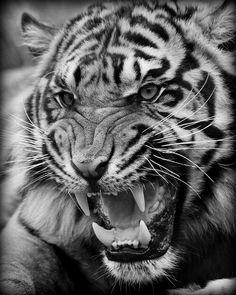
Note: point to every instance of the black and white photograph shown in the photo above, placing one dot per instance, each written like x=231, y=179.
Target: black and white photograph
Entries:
x=118, y=147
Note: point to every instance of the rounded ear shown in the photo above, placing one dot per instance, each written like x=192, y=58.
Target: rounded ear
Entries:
x=220, y=24
x=36, y=35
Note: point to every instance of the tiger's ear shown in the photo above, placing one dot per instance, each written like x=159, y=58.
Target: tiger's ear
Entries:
x=220, y=24
x=36, y=35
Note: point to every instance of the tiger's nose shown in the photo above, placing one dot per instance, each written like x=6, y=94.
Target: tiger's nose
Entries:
x=93, y=169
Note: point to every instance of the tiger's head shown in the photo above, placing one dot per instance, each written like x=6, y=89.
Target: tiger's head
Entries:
x=132, y=116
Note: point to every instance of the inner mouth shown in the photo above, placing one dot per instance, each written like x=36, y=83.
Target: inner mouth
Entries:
x=134, y=225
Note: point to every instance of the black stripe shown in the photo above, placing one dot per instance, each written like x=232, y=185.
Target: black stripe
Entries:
x=77, y=76
x=210, y=130
x=133, y=158
x=106, y=41
x=141, y=131
x=51, y=159
x=115, y=36
x=208, y=91
x=156, y=28
x=118, y=63
x=208, y=156
x=176, y=94
x=140, y=54
x=59, y=81
x=139, y=39
x=92, y=24
x=229, y=45
x=206, y=190
x=156, y=73
x=105, y=78
x=93, y=36
x=37, y=100
x=53, y=143
x=137, y=70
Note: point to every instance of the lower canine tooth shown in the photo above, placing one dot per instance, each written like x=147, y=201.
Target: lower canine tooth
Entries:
x=106, y=237
x=114, y=245
x=144, y=236
x=135, y=244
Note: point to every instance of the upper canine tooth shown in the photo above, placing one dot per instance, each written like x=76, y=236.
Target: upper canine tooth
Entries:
x=139, y=197
x=82, y=201
x=144, y=236
x=105, y=236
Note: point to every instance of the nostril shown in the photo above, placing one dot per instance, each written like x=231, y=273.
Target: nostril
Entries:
x=92, y=169
x=101, y=168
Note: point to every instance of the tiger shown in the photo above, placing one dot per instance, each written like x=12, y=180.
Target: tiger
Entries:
x=120, y=153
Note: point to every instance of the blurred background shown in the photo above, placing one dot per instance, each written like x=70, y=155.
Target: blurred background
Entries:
x=15, y=60
x=13, y=54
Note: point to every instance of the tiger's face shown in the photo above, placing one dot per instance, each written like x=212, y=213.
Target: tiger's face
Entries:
x=131, y=113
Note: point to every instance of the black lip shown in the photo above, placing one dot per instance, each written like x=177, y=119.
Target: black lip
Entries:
x=155, y=250
x=135, y=255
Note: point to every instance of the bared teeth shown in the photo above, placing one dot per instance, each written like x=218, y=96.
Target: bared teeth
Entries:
x=139, y=197
x=105, y=236
x=109, y=238
x=144, y=236
x=82, y=202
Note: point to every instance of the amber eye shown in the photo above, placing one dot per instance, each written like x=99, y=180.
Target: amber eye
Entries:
x=150, y=92
x=64, y=99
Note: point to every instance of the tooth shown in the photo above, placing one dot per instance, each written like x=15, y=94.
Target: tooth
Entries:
x=114, y=245
x=105, y=236
x=162, y=190
x=82, y=202
x=139, y=197
x=154, y=207
x=129, y=242
x=135, y=244
x=144, y=236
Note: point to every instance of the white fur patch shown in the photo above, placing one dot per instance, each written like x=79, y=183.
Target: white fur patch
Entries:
x=143, y=271
x=216, y=287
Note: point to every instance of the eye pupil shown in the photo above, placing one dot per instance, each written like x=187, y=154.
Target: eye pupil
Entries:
x=68, y=99
x=65, y=99
x=149, y=92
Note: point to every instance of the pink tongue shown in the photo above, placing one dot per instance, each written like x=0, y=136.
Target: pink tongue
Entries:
x=123, y=211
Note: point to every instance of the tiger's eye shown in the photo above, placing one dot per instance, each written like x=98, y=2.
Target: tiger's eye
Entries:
x=65, y=99
x=149, y=91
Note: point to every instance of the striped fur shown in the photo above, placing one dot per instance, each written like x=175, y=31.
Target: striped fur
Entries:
x=184, y=137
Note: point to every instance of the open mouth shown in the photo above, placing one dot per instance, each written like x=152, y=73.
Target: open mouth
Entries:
x=136, y=224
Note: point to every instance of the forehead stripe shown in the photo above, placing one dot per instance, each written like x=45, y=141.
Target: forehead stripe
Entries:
x=139, y=39
x=155, y=73
x=77, y=76
x=153, y=27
